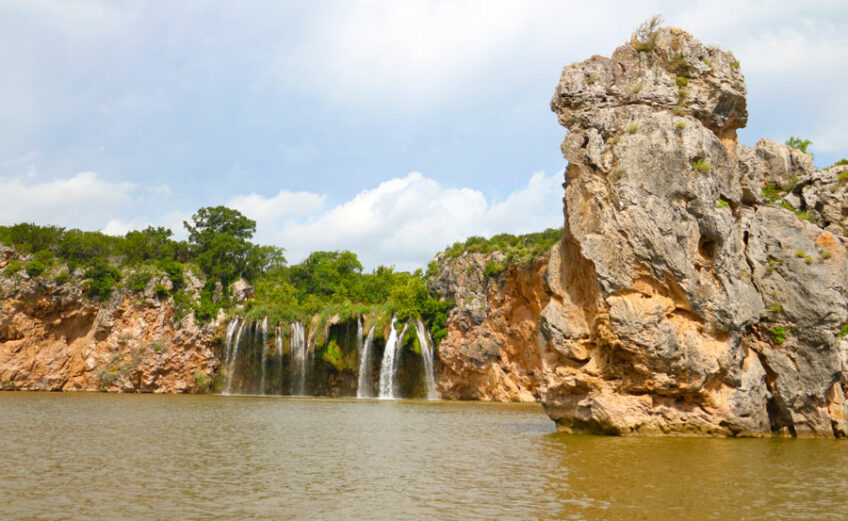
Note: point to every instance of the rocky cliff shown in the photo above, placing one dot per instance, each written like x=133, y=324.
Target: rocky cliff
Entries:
x=52, y=337
x=490, y=352
x=701, y=286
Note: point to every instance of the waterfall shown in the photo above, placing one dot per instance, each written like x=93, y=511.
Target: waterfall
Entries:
x=363, y=385
x=388, y=366
x=427, y=354
x=298, y=356
x=233, y=357
x=231, y=330
x=307, y=363
x=278, y=340
x=264, y=354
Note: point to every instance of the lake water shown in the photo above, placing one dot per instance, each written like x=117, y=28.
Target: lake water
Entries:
x=157, y=457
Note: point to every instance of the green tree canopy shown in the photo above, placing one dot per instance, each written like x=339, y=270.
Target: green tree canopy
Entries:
x=800, y=144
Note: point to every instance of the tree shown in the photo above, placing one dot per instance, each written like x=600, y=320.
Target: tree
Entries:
x=216, y=220
x=219, y=237
x=327, y=273
x=31, y=237
x=150, y=243
x=800, y=144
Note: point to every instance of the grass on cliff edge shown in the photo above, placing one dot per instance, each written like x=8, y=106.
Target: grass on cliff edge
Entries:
x=517, y=248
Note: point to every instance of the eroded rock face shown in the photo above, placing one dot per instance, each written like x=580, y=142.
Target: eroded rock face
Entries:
x=677, y=273
x=53, y=338
x=490, y=352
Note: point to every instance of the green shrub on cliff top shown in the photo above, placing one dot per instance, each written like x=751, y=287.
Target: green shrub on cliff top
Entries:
x=518, y=248
x=35, y=268
x=101, y=279
x=798, y=143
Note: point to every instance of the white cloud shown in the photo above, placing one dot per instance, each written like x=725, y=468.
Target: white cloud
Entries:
x=119, y=227
x=84, y=200
x=262, y=208
x=405, y=221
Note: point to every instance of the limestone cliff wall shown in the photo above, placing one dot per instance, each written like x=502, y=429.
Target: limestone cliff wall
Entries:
x=490, y=352
x=701, y=286
x=54, y=338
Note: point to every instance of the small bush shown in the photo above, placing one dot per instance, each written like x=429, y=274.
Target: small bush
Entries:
x=13, y=267
x=780, y=334
x=35, y=268
x=841, y=162
x=826, y=254
x=137, y=282
x=772, y=192
x=799, y=144
x=645, y=38
x=721, y=203
x=682, y=93
x=734, y=64
x=808, y=259
x=800, y=253
x=843, y=177
x=62, y=277
x=775, y=307
x=681, y=81
x=158, y=347
x=493, y=269
x=101, y=279
x=160, y=291
x=701, y=165
x=680, y=125
x=707, y=61
x=844, y=331
x=202, y=381
x=632, y=128
x=678, y=111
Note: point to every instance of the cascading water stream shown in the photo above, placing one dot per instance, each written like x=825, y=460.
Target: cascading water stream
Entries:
x=427, y=355
x=307, y=363
x=233, y=358
x=298, y=353
x=389, y=364
x=264, y=349
x=278, y=340
x=231, y=330
x=364, y=383
x=386, y=383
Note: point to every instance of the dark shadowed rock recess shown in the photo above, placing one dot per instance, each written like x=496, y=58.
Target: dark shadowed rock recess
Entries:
x=700, y=286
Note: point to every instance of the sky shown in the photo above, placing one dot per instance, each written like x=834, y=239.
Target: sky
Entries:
x=390, y=128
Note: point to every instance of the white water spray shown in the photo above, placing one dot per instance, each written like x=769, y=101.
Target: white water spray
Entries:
x=264, y=354
x=363, y=385
x=389, y=364
x=278, y=340
x=231, y=330
x=298, y=354
x=427, y=355
x=233, y=358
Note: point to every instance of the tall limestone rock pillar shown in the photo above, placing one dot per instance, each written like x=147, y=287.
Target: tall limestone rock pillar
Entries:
x=684, y=300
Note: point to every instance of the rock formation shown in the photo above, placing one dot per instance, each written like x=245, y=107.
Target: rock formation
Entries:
x=490, y=351
x=700, y=286
x=54, y=338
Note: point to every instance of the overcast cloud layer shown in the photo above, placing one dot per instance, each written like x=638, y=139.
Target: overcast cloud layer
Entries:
x=310, y=117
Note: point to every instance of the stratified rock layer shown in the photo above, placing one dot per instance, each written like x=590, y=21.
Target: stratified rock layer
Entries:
x=686, y=256
x=490, y=351
x=53, y=338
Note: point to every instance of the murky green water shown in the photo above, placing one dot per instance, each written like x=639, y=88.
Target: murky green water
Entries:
x=146, y=457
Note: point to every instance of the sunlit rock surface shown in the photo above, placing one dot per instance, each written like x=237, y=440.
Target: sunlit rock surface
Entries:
x=686, y=256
